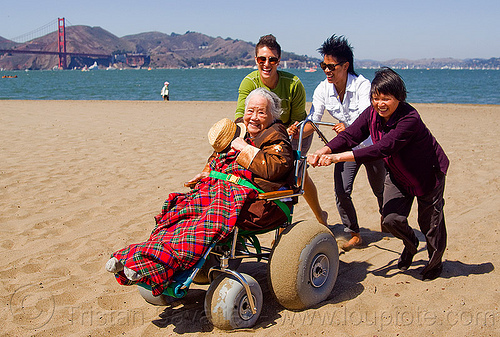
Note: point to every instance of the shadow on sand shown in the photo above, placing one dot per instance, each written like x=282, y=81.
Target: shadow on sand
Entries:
x=188, y=316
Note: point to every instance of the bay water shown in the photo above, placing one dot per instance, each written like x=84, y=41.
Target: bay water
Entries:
x=424, y=86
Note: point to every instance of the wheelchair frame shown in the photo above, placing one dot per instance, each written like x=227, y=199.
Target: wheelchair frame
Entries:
x=181, y=281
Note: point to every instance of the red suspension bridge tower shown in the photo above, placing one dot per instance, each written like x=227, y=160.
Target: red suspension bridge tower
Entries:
x=133, y=59
x=61, y=45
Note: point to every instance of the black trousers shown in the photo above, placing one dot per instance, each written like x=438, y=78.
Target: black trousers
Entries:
x=397, y=206
x=344, y=174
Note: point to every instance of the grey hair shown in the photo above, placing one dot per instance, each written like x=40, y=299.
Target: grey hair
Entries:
x=273, y=101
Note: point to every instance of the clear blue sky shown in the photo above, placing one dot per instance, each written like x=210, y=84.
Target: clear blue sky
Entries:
x=377, y=29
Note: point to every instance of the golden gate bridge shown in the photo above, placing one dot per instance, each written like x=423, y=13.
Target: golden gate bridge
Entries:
x=131, y=59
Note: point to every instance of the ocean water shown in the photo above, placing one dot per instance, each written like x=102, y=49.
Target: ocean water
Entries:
x=424, y=86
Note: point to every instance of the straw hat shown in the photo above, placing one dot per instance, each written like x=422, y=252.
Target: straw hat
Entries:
x=166, y=83
x=222, y=133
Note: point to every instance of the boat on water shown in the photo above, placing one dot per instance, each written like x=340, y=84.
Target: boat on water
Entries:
x=94, y=66
x=310, y=70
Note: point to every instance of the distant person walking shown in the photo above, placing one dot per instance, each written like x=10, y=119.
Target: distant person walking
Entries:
x=164, y=92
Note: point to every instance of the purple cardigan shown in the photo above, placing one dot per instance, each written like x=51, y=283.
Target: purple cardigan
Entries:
x=410, y=151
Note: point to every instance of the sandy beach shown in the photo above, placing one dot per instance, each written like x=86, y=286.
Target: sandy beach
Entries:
x=82, y=179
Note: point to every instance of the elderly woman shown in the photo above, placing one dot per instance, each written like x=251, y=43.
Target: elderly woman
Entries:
x=416, y=164
x=251, y=156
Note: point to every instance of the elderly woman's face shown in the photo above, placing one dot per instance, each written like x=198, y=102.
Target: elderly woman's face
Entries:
x=257, y=117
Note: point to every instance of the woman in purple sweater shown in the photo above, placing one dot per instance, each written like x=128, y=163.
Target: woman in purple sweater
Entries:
x=416, y=164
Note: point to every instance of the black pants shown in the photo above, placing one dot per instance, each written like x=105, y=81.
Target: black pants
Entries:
x=397, y=206
x=343, y=181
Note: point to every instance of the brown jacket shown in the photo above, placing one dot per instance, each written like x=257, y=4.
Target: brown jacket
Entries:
x=271, y=162
x=271, y=159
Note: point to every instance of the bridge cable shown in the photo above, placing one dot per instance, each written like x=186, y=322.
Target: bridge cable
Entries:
x=38, y=32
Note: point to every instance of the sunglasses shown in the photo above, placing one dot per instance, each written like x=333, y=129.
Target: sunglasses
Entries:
x=272, y=60
x=330, y=66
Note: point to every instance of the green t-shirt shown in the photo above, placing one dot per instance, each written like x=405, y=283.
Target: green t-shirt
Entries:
x=290, y=89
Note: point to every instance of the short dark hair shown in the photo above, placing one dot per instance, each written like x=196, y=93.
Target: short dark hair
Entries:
x=388, y=82
x=270, y=42
x=339, y=47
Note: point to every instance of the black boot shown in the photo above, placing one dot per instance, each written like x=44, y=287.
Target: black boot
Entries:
x=406, y=257
x=432, y=274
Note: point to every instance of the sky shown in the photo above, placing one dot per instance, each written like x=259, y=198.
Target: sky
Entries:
x=376, y=29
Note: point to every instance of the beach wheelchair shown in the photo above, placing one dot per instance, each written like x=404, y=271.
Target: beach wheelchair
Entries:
x=302, y=266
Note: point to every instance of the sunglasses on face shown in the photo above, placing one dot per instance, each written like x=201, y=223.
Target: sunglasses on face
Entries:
x=330, y=66
x=272, y=60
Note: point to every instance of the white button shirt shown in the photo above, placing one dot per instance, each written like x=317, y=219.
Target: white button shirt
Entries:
x=356, y=100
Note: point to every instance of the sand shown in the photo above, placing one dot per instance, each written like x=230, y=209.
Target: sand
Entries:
x=81, y=179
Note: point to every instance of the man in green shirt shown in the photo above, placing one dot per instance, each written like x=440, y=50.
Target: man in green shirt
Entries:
x=290, y=89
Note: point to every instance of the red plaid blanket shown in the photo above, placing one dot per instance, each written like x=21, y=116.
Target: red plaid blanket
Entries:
x=188, y=224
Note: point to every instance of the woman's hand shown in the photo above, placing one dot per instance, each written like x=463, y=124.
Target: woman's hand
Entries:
x=191, y=183
x=312, y=159
x=238, y=144
x=205, y=173
x=339, y=127
x=326, y=159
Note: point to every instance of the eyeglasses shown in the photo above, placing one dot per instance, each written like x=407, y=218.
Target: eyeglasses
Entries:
x=272, y=60
x=330, y=66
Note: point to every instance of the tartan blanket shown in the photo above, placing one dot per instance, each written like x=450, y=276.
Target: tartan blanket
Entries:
x=187, y=225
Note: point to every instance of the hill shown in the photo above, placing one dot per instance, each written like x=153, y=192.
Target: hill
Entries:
x=433, y=63
x=81, y=39
x=163, y=51
x=5, y=44
x=192, y=49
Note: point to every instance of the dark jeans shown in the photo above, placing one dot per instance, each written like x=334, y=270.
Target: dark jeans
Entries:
x=343, y=178
x=306, y=144
x=397, y=206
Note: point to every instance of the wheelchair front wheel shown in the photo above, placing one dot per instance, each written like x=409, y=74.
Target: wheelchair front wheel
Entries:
x=227, y=305
x=147, y=294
